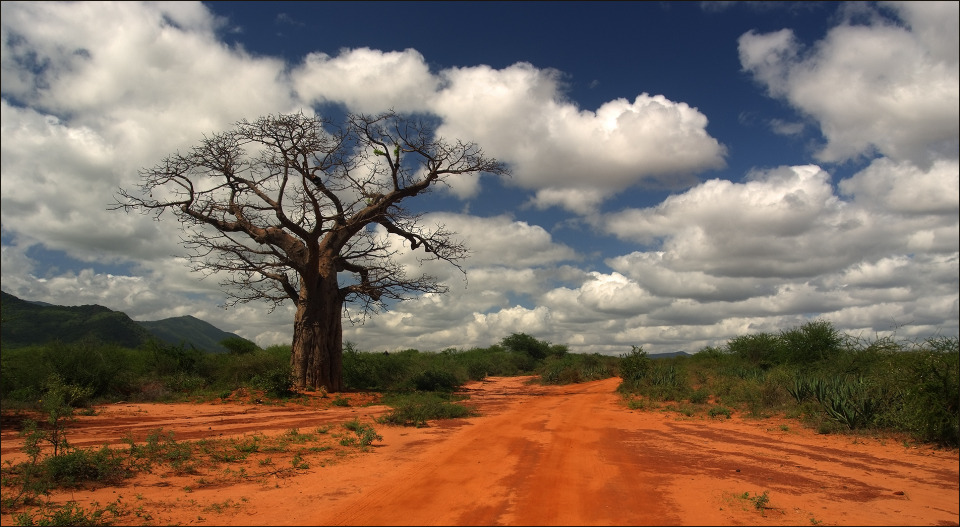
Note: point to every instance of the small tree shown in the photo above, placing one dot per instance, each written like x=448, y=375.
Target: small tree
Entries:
x=282, y=207
x=523, y=343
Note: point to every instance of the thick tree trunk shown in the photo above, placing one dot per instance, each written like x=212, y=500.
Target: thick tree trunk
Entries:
x=316, y=360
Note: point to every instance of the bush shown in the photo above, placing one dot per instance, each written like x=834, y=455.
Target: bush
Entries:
x=635, y=365
x=762, y=349
x=435, y=380
x=277, y=382
x=719, y=410
x=533, y=348
x=930, y=392
x=417, y=408
x=77, y=466
x=815, y=341
x=375, y=371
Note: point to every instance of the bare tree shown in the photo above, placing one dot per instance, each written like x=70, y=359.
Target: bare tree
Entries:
x=283, y=205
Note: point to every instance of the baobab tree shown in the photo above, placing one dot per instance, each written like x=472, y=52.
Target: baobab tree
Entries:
x=290, y=207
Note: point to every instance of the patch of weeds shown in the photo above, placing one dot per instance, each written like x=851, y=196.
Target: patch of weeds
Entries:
x=216, y=451
x=720, y=410
x=760, y=501
x=683, y=409
x=279, y=446
x=642, y=403
x=365, y=433
x=140, y=512
x=700, y=396
x=23, y=483
x=322, y=429
x=76, y=466
x=340, y=401
x=294, y=436
x=220, y=507
x=299, y=463
x=70, y=514
x=161, y=447
x=248, y=445
x=416, y=408
x=237, y=474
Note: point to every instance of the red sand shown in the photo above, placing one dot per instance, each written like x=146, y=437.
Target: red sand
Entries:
x=560, y=455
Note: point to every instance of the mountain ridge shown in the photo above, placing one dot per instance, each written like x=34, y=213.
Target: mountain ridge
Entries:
x=25, y=323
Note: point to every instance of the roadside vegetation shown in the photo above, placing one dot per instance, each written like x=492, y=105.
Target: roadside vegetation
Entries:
x=827, y=380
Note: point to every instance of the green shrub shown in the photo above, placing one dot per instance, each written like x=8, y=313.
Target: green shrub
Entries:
x=276, y=382
x=575, y=367
x=77, y=466
x=415, y=409
x=761, y=350
x=435, y=380
x=928, y=391
x=523, y=343
x=852, y=402
x=720, y=410
x=635, y=365
x=69, y=514
x=815, y=341
x=364, y=432
x=699, y=396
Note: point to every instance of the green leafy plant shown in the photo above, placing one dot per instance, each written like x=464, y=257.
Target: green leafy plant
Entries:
x=415, y=409
x=718, y=411
x=760, y=501
x=70, y=514
x=365, y=433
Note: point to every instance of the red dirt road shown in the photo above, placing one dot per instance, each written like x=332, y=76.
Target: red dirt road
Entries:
x=559, y=455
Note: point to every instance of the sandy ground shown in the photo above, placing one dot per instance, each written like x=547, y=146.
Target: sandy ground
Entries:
x=563, y=455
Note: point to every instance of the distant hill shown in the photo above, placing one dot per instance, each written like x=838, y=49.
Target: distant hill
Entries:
x=669, y=354
x=26, y=323
x=203, y=335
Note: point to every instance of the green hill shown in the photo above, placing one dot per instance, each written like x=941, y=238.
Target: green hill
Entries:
x=27, y=323
x=191, y=330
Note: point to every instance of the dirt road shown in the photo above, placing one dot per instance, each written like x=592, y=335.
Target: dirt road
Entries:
x=567, y=455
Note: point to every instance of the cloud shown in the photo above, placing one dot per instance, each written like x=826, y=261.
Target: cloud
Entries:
x=582, y=201
x=500, y=241
x=885, y=87
x=903, y=188
x=367, y=80
x=757, y=229
x=84, y=108
x=520, y=115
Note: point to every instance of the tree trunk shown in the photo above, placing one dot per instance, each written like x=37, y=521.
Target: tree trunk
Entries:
x=316, y=360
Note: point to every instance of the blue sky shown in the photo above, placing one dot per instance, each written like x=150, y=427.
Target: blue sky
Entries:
x=683, y=172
